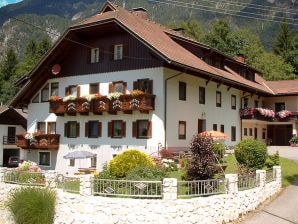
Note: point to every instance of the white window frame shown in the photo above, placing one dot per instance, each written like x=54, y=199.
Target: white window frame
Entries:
x=94, y=55
x=118, y=52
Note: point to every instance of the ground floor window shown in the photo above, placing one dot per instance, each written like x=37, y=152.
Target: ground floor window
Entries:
x=44, y=158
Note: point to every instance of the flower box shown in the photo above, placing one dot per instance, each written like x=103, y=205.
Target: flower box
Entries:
x=57, y=107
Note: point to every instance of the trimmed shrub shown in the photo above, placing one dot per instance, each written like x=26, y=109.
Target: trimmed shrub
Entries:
x=32, y=205
x=272, y=160
x=201, y=165
x=147, y=173
x=251, y=153
x=128, y=160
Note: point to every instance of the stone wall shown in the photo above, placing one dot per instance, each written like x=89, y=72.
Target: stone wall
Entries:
x=84, y=208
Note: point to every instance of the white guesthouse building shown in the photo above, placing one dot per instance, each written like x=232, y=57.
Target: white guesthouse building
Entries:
x=83, y=94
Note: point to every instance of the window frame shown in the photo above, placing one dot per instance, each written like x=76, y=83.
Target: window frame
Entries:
x=233, y=102
x=39, y=160
x=182, y=90
x=112, y=131
x=89, y=126
x=94, y=88
x=218, y=99
x=279, y=106
x=182, y=130
x=49, y=128
x=214, y=127
x=54, y=89
x=136, y=129
x=145, y=85
x=45, y=93
x=233, y=133
x=118, y=52
x=202, y=95
x=67, y=129
x=42, y=127
x=112, y=87
x=68, y=90
x=94, y=55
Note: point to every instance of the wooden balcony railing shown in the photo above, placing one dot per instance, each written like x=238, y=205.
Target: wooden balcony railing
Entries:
x=41, y=141
x=126, y=103
x=9, y=140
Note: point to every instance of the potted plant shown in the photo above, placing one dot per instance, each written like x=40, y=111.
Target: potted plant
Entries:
x=294, y=141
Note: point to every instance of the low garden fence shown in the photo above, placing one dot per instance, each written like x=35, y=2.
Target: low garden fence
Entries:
x=69, y=184
x=127, y=188
x=249, y=181
x=201, y=187
x=24, y=178
x=270, y=176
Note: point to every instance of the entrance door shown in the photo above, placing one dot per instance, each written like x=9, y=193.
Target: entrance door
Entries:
x=280, y=134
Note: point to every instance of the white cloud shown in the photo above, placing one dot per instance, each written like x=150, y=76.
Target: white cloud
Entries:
x=3, y=3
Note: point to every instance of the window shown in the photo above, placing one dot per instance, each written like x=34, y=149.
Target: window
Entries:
x=71, y=162
x=44, y=158
x=94, y=55
x=182, y=91
x=218, y=99
x=41, y=127
x=116, y=129
x=72, y=90
x=182, y=130
x=233, y=102
x=142, y=129
x=233, y=133
x=256, y=103
x=93, y=162
x=55, y=89
x=117, y=87
x=280, y=107
x=93, y=129
x=45, y=93
x=36, y=98
x=51, y=127
x=245, y=131
x=118, y=52
x=214, y=127
x=146, y=85
x=94, y=88
x=245, y=102
x=222, y=128
x=202, y=95
x=250, y=131
x=72, y=129
x=264, y=133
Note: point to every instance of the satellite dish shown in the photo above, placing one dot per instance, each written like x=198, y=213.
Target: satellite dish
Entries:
x=56, y=69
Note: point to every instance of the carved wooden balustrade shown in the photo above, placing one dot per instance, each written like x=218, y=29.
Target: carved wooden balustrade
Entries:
x=126, y=103
x=40, y=141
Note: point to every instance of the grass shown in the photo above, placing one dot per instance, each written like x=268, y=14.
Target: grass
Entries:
x=289, y=169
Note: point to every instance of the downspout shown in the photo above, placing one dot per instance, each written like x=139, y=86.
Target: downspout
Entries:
x=165, y=108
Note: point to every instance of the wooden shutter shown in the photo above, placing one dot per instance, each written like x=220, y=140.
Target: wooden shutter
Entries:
x=87, y=129
x=111, y=87
x=150, y=86
x=124, y=87
x=125, y=51
x=78, y=129
x=149, y=133
x=123, y=132
x=66, y=129
x=110, y=129
x=78, y=91
x=134, y=129
x=99, y=129
x=135, y=85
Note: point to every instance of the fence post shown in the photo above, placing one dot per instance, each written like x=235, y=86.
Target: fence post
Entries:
x=169, y=189
x=261, y=178
x=51, y=178
x=2, y=173
x=86, y=185
x=277, y=175
x=232, y=183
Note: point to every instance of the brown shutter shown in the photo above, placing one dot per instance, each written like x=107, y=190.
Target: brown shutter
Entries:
x=135, y=85
x=66, y=134
x=150, y=83
x=149, y=133
x=78, y=91
x=125, y=51
x=123, y=132
x=101, y=54
x=99, y=129
x=78, y=129
x=110, y=129
x=134, y=129
x=124, y=87
x=87, y=129
x=111, y=87
x=111, y=52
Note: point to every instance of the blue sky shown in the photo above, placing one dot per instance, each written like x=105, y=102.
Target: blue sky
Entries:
x=6, y=2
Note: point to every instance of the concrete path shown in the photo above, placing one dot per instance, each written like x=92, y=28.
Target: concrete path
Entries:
x=284, y=208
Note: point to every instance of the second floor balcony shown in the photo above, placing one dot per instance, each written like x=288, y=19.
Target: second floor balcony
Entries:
x=39, y=141
x=82, y=105
x=267, y=114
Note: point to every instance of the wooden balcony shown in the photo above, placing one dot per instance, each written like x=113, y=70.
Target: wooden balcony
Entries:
x=268, y=115
x=41, y=141
x=126, y=103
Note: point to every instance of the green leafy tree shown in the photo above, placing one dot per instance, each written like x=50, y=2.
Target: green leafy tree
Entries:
x=191, y=28
x=43, y=46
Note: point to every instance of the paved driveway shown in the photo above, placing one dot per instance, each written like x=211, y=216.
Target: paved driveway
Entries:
x=283, y=209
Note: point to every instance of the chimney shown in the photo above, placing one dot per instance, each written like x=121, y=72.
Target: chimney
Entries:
x=179, y=30
x=140, y=11
x=240, y=58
